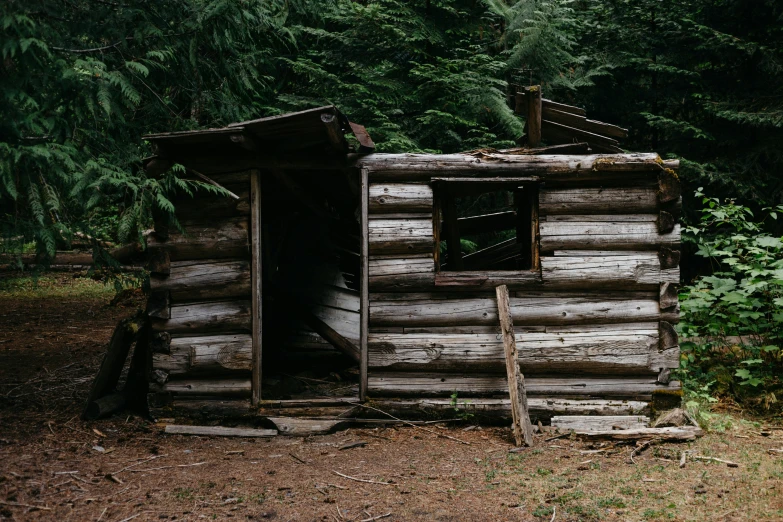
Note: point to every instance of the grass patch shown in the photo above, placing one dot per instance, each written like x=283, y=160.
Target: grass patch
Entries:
x=65, y=286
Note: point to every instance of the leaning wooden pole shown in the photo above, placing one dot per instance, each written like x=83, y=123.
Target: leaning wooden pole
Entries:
x=523, y=430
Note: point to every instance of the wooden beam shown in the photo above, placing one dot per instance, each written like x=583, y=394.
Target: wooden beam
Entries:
x=255, y=285
x=563, y=107
x=451, y=227
x=533, y=95
x=581, y=122
x=523, y=431
x=364, y=285
x=557, y=132
x=331, y=335
x=217, y=431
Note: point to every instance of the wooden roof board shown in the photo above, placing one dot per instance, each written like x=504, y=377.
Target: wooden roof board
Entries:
x=319, y=131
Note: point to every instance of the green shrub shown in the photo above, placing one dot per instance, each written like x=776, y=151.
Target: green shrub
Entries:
x=732, y=320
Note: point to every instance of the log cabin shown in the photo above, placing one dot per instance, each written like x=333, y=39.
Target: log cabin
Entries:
x=333, y=276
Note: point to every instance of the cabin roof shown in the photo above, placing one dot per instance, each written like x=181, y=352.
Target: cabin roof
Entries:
x=320, y=131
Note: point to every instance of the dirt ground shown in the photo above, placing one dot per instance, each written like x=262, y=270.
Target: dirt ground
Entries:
x=53, y=466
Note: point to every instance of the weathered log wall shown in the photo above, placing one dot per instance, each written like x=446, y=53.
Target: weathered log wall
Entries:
x=200, y=303
x=598, y=306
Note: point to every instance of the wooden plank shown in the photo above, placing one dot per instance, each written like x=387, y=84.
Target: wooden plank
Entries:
x=636, y=270
x=542, y=408
x=399, y=384
x=685, y=433
x=219, y=316
x=217, y=431
x=553, y=310
x=303, y=427
x=598, y=200
x=581, y=122
x=400, y=236
x=204, y=387
x=207, y=279
x=523, y=431
x=563, y=107
x=207, y=355
x=364, y=287
x=399, y=197
x=596, y=235
x=326, y=331
x=559, y=133
x=603, y=423
x=611, y=350
x=533, y=118
x=478, y=279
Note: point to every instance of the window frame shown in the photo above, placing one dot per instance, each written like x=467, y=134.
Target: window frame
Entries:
x=443, y=197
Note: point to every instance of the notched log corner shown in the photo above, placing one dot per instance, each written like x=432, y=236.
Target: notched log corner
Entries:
x=665, y=222
x=669, y=258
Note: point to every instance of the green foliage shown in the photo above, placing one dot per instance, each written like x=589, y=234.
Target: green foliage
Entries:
x=734, y=315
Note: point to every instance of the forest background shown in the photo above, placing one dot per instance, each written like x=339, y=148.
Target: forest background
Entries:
x=702, y=81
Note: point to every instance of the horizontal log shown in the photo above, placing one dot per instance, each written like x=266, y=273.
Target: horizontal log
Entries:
x=608, y=352
x=597, y=200
x=208, y=279
x=636, y=270
x=213, y=355
x=554, y=310
x=221, y=316
x=204, y=387
x=540, y=409
x=480, y=280
x=387, y=265
x=401, y=236
x=400, y=197
x=555, y=167
x=477, y=385
x=217, y=431
x=614, y=235
x=224, y=239
x=582, y=123
x=596, y=423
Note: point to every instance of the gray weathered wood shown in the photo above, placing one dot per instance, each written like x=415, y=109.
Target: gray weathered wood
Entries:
x=207, y=279
x=595, y=200
x=223, y=239
x=398, y=384
x=399, y=197
x=220, y=316
x=478, y=280
x=400, y=236
x=685, y=433
x=669, y=297
x=364, y=286
x=256, y=300
x=205, y=387
x=217, y=431
x=600, y=423
x=555, y=132
x=602, y=235
x=606, y=351
x=525, y=311
x=207, y=355
x=302, y=427
x=523, y=431
x=668, y=257
x=556, y=167
x=501, y=408
x=635, y=270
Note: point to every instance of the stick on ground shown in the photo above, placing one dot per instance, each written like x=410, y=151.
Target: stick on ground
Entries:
x=363, y=480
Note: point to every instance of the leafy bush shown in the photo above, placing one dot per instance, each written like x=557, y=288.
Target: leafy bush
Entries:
x=732, y=320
